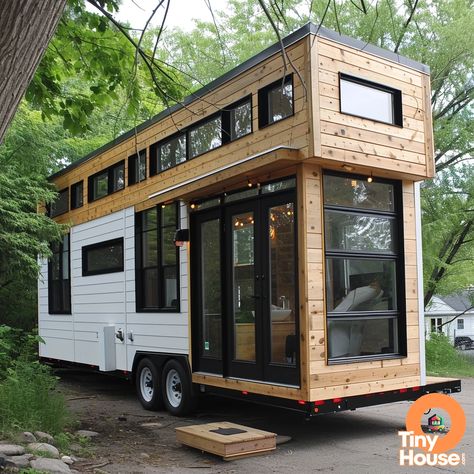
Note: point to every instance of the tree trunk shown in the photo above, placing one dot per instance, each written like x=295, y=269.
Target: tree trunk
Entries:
x=26, y=27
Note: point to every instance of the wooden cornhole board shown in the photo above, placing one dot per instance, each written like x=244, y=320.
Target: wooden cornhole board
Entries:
x=229, y=440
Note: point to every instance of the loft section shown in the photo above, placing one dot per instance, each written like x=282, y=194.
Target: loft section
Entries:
x=356, y=110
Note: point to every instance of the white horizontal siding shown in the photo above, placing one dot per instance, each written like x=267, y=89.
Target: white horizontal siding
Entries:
x=109, y=299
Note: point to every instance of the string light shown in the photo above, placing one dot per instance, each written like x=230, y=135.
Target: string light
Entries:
x=370, y=178
x=193, y=206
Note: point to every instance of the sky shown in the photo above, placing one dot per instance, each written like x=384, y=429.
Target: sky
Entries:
x=180, y=13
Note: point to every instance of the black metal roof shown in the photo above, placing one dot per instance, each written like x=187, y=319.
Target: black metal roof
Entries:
x=309, y=28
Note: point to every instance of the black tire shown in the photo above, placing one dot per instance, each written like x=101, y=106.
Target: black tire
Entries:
x=178, y=392
x=147, y=382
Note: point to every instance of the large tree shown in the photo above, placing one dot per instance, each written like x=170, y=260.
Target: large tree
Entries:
x=26, y=27
x=448, y=238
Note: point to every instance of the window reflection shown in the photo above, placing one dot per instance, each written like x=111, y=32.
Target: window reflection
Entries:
x=243, y=286
x=211, y=289
x=363, y=337
x=241, y=120
x=206, y=137
x=352, y=192
x=282, y=294
x=358, y=232
x=280, y=102
x=173, y=152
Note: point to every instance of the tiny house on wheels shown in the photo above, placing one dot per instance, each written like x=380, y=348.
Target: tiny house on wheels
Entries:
x=259, y=240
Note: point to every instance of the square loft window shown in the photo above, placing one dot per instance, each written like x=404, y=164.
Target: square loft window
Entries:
x=77, y=195
x=137, y=167
x=60, y=204
x=367, y=99
x=275, y=101
x=172, y=152
x=205, y=136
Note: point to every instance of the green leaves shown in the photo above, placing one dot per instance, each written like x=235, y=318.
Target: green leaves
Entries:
x=448, y=231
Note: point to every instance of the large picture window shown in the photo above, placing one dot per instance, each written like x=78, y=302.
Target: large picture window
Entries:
x=364, y=281
x=59, y=280
x=370, y=100
x=157, y=278
x=103, y=257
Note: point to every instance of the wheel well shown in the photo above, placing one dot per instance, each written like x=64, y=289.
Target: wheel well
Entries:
x=160, y=359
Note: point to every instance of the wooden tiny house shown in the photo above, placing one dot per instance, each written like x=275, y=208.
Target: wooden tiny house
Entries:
x=300, y=276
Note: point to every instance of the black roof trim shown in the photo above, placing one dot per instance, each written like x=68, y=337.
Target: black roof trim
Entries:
x=309, y=28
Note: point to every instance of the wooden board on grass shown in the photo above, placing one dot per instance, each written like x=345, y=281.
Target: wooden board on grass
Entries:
x=229, y=440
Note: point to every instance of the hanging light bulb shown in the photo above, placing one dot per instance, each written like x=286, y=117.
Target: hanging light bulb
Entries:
x=370, y=178
x=193, y=206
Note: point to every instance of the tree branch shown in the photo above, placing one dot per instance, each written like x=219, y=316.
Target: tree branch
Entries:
x=405, y=26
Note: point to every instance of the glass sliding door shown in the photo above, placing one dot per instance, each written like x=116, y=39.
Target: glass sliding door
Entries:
x=207, y=294
x=282, y=301
x=244, y=285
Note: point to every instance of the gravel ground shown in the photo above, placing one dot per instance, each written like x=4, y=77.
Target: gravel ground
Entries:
x=133, y=440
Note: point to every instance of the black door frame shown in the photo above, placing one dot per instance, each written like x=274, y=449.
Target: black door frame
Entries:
x=204, y=364
x=262, y=370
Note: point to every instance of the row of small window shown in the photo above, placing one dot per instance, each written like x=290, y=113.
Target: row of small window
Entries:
x=275, y=103
x=156, y=262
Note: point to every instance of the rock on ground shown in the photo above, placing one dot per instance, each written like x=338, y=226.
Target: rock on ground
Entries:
x=54, y=466
x=67, y=460
x=87, y=433
x=19, y=462
x=42, y=436
x=27, y=437
x=45, y=448
x=11, y=450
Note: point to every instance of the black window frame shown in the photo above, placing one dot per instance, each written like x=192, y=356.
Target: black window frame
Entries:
x=65, y=309
x=397, y=104
x=103, y=244
x=160, y=266
x=226, y=135
x=50, y=209
x=110, y=183
x=73, y=200
x=264, y=105
x=396, y=256
x=132, y=163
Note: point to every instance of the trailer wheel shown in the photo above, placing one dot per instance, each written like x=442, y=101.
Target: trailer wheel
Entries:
x=178, y=395
x=148, y=385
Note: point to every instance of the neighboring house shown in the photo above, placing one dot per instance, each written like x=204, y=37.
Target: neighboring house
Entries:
x=442, y=309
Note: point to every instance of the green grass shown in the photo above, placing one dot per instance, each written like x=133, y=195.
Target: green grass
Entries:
x=443, y=359
x=29, y=401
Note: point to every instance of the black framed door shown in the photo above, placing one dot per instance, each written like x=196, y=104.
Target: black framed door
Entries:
x=207, y=292
x=244, y=288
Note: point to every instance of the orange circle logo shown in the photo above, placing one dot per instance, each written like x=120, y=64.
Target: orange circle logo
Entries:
x=456, y=413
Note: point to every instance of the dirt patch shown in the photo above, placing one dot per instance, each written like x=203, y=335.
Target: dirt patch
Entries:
x=133, y=440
